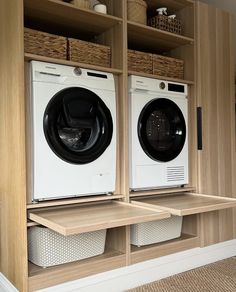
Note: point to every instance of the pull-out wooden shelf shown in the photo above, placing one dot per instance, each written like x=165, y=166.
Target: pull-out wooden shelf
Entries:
x=187, y=203
x=69, y=220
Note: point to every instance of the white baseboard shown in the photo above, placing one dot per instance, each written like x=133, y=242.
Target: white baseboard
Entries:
x=5, y=285
x=130, y=277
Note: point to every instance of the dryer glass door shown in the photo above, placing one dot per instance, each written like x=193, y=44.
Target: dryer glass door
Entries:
x=162, y=130
x=77, y=125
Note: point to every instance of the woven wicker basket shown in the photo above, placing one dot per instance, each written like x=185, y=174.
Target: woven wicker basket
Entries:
x=81, y=3
x=164, y=23
x=156, y=231
x=45, y=44
x=137, y=11
x=48, y=248
x=168, y=67
x=139, y=62
x=90, y=53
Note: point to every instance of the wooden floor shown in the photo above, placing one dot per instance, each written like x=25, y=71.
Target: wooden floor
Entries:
x=217, y=277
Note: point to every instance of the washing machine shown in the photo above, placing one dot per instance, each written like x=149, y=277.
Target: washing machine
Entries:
x=158, y=133
x=72, y=135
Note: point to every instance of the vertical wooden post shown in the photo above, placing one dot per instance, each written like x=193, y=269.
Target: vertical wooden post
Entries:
x=12, y=145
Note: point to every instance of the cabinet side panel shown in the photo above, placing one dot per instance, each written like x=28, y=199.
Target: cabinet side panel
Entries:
x=215, y=80
x=12, y=145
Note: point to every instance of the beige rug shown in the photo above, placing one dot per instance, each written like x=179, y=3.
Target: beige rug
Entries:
x=217, y=277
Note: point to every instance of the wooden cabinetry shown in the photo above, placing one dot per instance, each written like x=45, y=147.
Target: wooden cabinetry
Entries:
x=215, y=95
x=209, y=171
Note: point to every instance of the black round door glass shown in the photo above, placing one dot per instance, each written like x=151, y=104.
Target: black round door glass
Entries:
x=77, y=125
x=162, y=130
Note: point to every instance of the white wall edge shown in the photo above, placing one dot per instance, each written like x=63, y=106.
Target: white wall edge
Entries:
x=120, y=280
x=6, y=285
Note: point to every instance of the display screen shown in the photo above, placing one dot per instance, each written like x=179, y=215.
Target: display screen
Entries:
x=175, y=87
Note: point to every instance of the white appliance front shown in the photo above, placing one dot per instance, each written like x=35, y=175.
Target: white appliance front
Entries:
x=147, y=171
x=54, y=175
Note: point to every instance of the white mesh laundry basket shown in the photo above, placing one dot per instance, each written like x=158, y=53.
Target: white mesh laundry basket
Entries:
x=48, y=248
x=156, y=231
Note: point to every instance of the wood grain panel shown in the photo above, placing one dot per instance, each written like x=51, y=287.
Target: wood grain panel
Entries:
x=12, y=145
x=215, y=94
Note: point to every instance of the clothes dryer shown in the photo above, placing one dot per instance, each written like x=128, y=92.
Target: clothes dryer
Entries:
x=158, y=133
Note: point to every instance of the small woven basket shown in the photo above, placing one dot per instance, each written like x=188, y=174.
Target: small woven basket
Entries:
x=137, y=11
x=168, y=67
x=90, y=53
x=81, y=3
x=139, y=62
x=165, y=23
x=45, y=44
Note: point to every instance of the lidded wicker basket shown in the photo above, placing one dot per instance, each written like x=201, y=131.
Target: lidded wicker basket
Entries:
x=81, y=3
x=137, y=11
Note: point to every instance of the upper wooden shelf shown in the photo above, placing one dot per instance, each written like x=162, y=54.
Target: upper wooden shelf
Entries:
x=79, y=219
x=187, y=203
x=144, y=37
x=173, y=5
x=65, y=17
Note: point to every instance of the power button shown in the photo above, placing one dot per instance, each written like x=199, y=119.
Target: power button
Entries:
x=162, y=85
x=77, y=71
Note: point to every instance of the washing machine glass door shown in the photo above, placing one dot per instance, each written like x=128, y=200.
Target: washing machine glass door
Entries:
x=162, y=130
x=77, y=125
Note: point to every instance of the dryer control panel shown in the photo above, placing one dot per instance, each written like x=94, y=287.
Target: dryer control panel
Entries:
x=138, y=83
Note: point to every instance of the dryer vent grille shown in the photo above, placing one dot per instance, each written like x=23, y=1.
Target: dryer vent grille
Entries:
x=175, y=173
